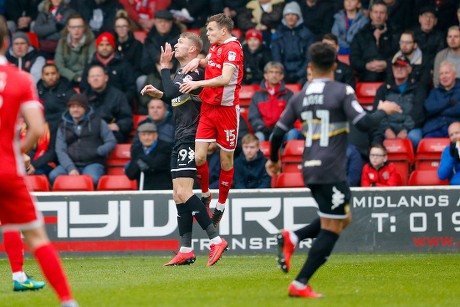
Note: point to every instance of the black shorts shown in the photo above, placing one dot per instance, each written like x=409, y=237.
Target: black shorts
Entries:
x=333, y=199
x=183, y=159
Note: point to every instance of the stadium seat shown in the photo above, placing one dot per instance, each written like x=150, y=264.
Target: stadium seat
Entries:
x=429, y=152
x=140, y=35
x=294, y=87
x=37, y=183
x=244, y=112
x=33, y=39
x=237, y=33
x=401, y=153
x=426, y=178
x=291, y=158
x=73, y=183
x=265, y=148
x=136, y=120
x=289, y=180
x=344, y=58
x=116, y=183
x=365, y=92
x=246, y=93
x=118, y=159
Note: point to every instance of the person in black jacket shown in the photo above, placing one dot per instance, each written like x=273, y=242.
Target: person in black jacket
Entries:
x=256, y=55
x=343, y=72
x=150, y=160
x=100, y=14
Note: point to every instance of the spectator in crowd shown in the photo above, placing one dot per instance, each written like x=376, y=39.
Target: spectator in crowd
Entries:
x=428, y=38
x=354, y=166
x=230, y=8
x=75, y=49
x=164, y=31
x=120, y=72
x=409, y=95
x=269, y=102
x=109, y=103
x=262, y=15
x=318, y=16
x=379, y=172
x=128, y=47
x=83, y=142
x=443, y=103
x=41, y=159
x=100, y=14
x=192, y=14
x=24, y=56
x=409, y=49
x=290, y=47
x=398, y=15
x=142, y=12
x=54, y=92
x=20, y=14
x=51, y=20
x=256, y=55
x=250, y=170
x=449, y=167
x=373, y=46
x=445, y=10
x=150, y=160
x=347, y=24
x=451, y=53
x=343, y=72
x=162, y=118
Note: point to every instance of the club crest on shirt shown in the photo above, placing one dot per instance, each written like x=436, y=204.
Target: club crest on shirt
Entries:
x=231, y=56
x=187, y=78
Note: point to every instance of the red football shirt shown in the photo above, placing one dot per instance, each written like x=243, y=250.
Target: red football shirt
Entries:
x=229, y=53
x=17, y=91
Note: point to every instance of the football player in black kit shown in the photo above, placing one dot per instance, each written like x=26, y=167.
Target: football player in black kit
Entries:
x=324, y=108
x=186, y=112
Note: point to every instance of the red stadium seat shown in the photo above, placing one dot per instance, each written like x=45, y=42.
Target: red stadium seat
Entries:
x=33, y=39
x=365, y=92
x=246, y=93
x=244, y=112
x=38, y=183
x=289, y=180
x=291, y=158
x=429, y=152
x=294, y=87
x=344, y=58
x=140, y=35
x=136, y=120
x=73, y=183
x=237, y=33
x=401, y=154
x=116, y=183
x=265, y=148
x=426, y=178
x=118, y=159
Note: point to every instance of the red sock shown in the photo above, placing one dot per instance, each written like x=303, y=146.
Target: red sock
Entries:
x=202, y=175
x=14, y=248
x=225, y=182
x=52, y=269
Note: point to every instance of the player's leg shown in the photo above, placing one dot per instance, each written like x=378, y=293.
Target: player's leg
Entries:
x=14, y=249
x=202, y=171
x=333, y=217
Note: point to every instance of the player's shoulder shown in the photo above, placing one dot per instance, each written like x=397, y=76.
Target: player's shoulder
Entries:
x=340, y=88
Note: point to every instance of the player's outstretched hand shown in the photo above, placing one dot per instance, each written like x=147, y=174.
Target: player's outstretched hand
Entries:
x=272, y=168
x=151, y=91
x=389, y=107
x=191, y=66
x=166, y=55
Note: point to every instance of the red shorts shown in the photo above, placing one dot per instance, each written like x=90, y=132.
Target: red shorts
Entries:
x=219, y=124
x=17, y=206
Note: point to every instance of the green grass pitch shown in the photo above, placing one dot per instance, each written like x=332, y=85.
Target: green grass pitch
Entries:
x=346, y=280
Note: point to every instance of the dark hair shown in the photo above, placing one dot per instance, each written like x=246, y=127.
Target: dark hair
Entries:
x=379, y=146
x=223, y=21
x=331, y=37
x=322, y=56
x=98, y=65
x=378, y=2
x=50, y=65
x=411, y=33
x=3, y=30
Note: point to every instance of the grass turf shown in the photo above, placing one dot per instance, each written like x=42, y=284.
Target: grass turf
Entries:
x=346, y=280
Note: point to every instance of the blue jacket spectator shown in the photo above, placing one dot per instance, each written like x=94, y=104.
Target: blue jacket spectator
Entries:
x=449, y=168
x=354, y=166
x=345, y=29
x=443, y=103
x=290, y=48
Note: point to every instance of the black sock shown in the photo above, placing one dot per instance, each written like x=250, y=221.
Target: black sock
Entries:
x=185, y=223
x=198, y=210
x=309, y=231
x=319, y=252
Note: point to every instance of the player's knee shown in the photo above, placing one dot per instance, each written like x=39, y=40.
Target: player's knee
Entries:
x=200, y=160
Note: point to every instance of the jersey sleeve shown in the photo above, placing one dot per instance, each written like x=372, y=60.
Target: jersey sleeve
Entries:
x=29, y=96
x=351, y=106
x=232, y=54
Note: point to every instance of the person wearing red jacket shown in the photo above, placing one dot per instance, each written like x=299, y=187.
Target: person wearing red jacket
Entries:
x=379, y=172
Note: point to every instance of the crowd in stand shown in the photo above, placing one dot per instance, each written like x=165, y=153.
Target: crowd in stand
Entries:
x=89, y=69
